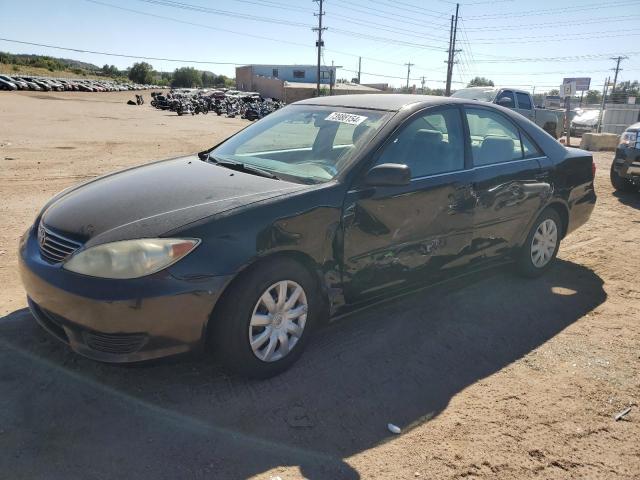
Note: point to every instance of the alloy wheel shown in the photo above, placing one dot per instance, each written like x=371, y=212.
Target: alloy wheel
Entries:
x=543, y=244
x=278, y=320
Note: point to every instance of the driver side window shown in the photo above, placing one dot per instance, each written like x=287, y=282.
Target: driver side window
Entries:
x=429, y=144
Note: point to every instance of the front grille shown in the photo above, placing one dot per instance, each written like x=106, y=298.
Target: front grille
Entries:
x=55, y=248
x=115, y=342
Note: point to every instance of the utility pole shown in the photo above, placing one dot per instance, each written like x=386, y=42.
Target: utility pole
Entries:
x=617, y=69
x=359, y=68
x=452, y=49
x=319, y=42
x=331, y=80
x=448, y=62
x=604, y=97
x=409, y=65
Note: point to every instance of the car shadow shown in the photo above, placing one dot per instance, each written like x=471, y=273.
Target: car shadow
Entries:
x=400, y=363
x=631, y=199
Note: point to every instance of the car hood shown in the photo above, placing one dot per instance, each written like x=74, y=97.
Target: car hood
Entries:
x=152, y=199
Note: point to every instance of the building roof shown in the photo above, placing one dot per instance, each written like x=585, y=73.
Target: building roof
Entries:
x=336, y=86
x=276, y=65
x=391, y=101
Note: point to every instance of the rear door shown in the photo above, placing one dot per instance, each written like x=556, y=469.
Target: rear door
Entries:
x=524, y=105
x=508, y=181
x=395, y=235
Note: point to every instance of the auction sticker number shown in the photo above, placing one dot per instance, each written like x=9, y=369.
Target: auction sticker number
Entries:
x=348, y=118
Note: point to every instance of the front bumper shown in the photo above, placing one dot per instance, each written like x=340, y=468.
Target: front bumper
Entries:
x=118, y=320
x=579, y=130
x=627, y=163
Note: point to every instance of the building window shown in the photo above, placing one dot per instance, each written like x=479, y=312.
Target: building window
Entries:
x=298, y=74
x=325, y=74
x=274, y=73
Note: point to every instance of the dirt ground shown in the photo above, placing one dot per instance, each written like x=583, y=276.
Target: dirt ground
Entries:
x=490, y=377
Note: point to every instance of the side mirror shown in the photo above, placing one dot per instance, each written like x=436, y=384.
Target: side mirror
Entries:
x=505, y=102
x=388, y=175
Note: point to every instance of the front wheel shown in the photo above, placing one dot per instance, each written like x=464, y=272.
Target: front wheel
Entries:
x=619, y=183
x=541, y=246
x=265, y=319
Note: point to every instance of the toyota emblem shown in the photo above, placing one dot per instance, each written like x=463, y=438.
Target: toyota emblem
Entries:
x=41, y=236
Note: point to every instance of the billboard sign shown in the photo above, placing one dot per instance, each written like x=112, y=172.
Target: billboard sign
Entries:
x=582, y=83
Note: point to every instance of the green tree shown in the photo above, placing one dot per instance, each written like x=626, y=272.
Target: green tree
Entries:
x=480, y=82
x=110, y=70
x=554, y=92
x=141, y=72
x=208, y=79
x=593, y=96
x=186, y=77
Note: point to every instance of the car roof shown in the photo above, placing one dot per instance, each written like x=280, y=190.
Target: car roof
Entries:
x=380, y=101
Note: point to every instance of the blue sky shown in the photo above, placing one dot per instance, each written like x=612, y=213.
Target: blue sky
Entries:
x=513, y=42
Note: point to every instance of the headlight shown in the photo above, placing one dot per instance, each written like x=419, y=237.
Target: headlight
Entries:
x=629, y=139
x=130, y=258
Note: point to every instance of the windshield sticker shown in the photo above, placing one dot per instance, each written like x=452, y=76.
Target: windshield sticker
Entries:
x=348, y=118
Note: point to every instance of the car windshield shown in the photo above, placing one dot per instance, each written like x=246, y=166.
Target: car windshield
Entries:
x=482, y=94
x=305, y=143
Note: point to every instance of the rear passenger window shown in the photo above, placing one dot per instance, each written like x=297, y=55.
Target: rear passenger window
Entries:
x=524, y=101
x=429, y=144
x=494, y=139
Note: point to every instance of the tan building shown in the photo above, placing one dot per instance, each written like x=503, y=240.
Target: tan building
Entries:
x=268, y=81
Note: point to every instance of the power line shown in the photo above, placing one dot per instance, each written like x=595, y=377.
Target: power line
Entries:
x=627, y=18
x=570, y=58
x=386, y=27
x=111, y=54
x=408, y=7
x=387, y=40
x=225, y=13
x=535, y=38
x=226, y=30
x=549, y=11
x=190, y=7
x=194, y=24
x=523, y=40
x=389, y=15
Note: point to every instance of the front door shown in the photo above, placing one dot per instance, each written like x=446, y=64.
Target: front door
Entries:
x=399, y=234
x=508, y=182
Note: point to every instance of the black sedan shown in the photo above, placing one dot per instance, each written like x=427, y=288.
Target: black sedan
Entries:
x=625, y=168
x=324, y=206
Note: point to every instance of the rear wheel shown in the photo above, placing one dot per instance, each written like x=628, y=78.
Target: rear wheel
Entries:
x=620, y=183
x=265, y=319
x=541, y=247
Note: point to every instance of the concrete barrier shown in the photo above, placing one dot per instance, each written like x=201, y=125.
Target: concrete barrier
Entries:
x=597, y=142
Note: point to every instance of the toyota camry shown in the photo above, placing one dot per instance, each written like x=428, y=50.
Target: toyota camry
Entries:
x=324, y=206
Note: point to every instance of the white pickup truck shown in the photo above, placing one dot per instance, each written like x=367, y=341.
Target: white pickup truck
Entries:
x=552, y=121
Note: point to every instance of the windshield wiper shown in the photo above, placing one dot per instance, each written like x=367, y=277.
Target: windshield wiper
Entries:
x=242, y=167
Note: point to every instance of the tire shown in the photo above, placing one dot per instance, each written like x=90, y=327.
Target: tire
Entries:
x=619, y=183
x=531, y=265
x=243, y=301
